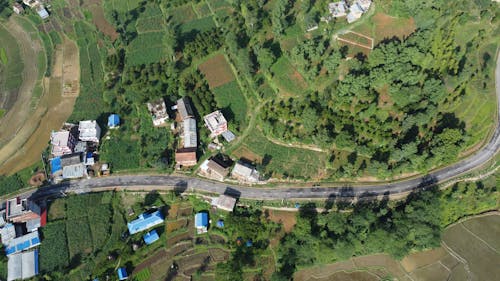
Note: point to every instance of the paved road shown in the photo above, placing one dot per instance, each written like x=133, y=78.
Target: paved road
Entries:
x=181, y=184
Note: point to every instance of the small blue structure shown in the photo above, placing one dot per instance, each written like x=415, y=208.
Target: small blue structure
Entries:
x=22, y=243
x=249, y=243
x=220, y=224
x=145, y=221
x=297, y=205
x=55, y=165
x=113, y=121
x=201, y=222
x=42, y=12
x=122, y=273
x=151, y=237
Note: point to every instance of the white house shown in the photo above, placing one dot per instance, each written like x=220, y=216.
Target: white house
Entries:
x=89, y=131
x=158, y=111
x=338, y=9
x=216, y=123
x=63, y=142
x=245, y=173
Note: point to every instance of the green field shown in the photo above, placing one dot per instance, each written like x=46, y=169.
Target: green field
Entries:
x=287, y=78
x=3, y=56
x=147, y=48
x=198, y=25
x=286, y=161
x=11, y=63
x=54, y=253
x=231, y=101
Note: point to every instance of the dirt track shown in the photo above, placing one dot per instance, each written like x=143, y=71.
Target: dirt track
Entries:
x=53, y=110
x=17, y=115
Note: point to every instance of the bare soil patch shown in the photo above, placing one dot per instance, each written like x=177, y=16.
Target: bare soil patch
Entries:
x=37, y=179
x=287, y=219
x=178, y=238
x=217, y=71
x=176, y=225
x=246, y=153
x=416, y=260
x=101, y=23
x=387, y=27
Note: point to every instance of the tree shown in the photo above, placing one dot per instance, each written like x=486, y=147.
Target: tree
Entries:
x=265, y=57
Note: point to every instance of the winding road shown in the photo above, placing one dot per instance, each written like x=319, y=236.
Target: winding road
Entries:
x=186, y=184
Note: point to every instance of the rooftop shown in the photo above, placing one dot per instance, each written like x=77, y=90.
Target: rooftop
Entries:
x=113, y=120
x=151, y=237
x=201, y=219
x=186, y=156
x=145, y=221
x=22, y=265
x=224, y=202
x=189, y=129
x=215, y=122
x=122, y=273
x=158, y=109
x=22, y=243
x=89, y=130
x=184, y=108
x=246, y=172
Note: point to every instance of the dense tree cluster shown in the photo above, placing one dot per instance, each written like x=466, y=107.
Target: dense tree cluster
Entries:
x=386, y=107
x=203, y=44
x=370, y=227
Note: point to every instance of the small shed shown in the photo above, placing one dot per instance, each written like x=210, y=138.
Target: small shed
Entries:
x=55, y=165
x=122, y=273
x=201, y=222
x=113, y=121
x=220, y=224
x=249, y=243
x=151, y=237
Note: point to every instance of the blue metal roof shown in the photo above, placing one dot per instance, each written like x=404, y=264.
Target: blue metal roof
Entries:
x=36, y=262
x=43, y=13
x=151, y=237
x=22, y=243
x=55, y=163
x=113, y=120
x=144, y=222
x=122, y=273
x=249, y=243
x=201, y=220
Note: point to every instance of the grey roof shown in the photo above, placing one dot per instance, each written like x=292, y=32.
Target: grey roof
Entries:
x=184, y=108
x=228, y=136
x=224, y=202
x=33, y=224
x=81, y=146
x=245, y=172
x=71, y=159
x=22, y=265
x=189, y=127
x=74, y=171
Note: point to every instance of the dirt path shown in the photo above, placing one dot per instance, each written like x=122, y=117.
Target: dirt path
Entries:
x=14, y=119
x=53, y=110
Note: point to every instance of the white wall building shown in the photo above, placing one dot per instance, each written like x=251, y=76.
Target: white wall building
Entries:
x=89, y=131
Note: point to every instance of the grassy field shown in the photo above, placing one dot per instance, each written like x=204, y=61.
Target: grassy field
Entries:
x=287, y=78
x=147, y=48
x=11, y=64
x=231, y=101
x=283, y=161
x=217, y=71
x=54, y=253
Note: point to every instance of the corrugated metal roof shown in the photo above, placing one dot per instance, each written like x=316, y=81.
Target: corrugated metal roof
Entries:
x=190, y=137
x=145, y=221
x=122, y=273
x=184, y=108
x=113, y=120
x=22, y=243
x=151, y=237
x=201, y=219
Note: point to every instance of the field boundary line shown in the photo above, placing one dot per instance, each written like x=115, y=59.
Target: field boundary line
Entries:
x=459, y=258
x=479, y=238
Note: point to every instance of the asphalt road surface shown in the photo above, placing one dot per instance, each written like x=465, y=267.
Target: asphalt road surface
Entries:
x=182, y=184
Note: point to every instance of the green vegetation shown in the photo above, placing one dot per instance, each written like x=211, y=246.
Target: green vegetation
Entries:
x=232, y=102
x=54, y=254
x=3, y=56
x=11, y=64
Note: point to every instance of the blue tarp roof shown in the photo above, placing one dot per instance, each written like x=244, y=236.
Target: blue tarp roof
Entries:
x=151, y=237
x=144, y=222
x=22, y=243
x=55, y=163
x=43, y=13
x=122, y=273
x=220, y=223
x=249, y=243
x=113, y=120
x=201, y=220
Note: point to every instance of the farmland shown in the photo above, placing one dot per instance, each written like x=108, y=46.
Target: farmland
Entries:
x=217, y=71
x=232, y=103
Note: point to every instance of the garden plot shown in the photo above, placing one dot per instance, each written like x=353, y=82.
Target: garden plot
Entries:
x=217, y=71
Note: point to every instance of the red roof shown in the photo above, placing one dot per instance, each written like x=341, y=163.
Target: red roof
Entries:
x=43, y=217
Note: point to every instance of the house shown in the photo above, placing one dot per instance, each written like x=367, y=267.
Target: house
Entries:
x=201, y=222
x=185, y=157
x=21, y=210
x=63, y=142
x=151, y=237
x=213, y=170
x=22, y=266
x=220, y=224
x=228, y=136
x=40, y=10
x=80, y=147
x=216, y=123
x=245, y=173
x=224, y=202
x=8, y=233
x=158, y=111
x=122, y=273
x=113, y=121
x=338, y=9
x=189, y=133
x=73, y=166
x=31, y=3
x=184, y=108
x=33, y=224
x=364, y=4
x=355, y=12
x=89, y=131
x=145, y=221
x=22, y=243
x=17, y=8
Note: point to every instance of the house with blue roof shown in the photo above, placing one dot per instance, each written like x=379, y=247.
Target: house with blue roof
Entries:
x=22, y=243
x=201, y=222
x=122, y=273
x=145, y=221
x=113, y=121
x=151, y=237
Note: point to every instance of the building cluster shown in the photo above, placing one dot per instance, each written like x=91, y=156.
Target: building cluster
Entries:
x=218, y=170
x=36, y=5
x=19, y=223
x=74, y=150
x=352, y=11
